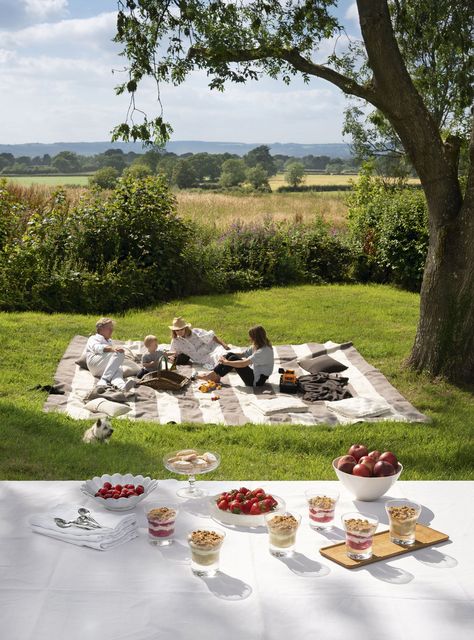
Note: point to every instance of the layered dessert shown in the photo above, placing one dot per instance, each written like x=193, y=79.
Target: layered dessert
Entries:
x=359, y=536
x=403, y=518
x=205, y=545
x=161, y=522
x=282, y=530
x=321, y=510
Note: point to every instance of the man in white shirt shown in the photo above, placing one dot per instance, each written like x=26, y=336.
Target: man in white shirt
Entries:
x=104, y=360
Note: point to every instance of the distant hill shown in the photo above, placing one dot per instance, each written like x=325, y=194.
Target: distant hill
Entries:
x=179, y=147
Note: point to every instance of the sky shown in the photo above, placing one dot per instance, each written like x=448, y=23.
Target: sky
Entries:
x=59, y=67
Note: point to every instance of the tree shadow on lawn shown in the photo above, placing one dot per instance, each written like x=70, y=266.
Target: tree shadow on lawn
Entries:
x=48, y=446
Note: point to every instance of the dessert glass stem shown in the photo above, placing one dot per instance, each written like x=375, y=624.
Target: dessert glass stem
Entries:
x=192, y=484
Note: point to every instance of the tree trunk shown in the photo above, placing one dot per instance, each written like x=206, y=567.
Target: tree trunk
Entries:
x=444, y=343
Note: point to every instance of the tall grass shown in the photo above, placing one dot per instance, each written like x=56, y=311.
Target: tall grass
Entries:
x=222, y=209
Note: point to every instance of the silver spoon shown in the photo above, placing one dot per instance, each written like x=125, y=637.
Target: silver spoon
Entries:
x=85, y=513
x=63, y=524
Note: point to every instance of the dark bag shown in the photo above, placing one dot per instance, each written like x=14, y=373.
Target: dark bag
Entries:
x=164, y=379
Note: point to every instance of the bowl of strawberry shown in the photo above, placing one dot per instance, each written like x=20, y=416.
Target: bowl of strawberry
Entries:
x=244, y=507
x=118, y=492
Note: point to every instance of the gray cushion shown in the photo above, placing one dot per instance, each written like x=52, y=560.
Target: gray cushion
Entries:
x=319, y=364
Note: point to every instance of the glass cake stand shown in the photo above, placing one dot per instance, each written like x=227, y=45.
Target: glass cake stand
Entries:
x=195, y=468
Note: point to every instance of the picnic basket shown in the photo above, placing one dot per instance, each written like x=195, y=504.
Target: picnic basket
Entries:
x=164, y=379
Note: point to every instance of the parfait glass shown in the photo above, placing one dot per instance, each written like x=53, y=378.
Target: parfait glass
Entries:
x=191, y=491
x=360, y=529
x=403, y=516
x=321, y=508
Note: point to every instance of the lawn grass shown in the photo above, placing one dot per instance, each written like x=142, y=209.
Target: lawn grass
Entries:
x=380, y=320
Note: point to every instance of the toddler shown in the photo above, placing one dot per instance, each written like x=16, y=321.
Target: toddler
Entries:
x=152, y=356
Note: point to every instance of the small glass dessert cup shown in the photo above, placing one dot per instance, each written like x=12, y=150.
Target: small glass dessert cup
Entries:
x=360, y=529
x=205, y=545
x=282, y=528
x=161, y=523
x=403, y=516
x=321, y=506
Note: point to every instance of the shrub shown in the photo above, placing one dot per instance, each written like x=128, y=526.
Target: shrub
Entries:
x=105, y=178
x=389, y=229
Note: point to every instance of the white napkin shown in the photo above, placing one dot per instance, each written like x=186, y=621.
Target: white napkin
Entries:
x=279, y=404
x=360, y=407
x=117, y=528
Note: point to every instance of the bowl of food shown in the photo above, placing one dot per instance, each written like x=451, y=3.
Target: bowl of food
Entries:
x=244, y=507
x=367, y=476
x=118, y=492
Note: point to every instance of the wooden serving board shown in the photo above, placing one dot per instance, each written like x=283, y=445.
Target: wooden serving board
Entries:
x=382, y=547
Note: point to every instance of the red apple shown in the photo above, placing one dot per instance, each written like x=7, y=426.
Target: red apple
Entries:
x=346, y=464
x=369, y=462
x=361, y=470
x=383, y=468
x=357, y=451
x=375, y=455
x=388, y=456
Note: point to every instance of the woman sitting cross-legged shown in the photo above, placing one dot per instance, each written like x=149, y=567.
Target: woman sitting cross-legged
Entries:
x=201, y=346
x=254, y=365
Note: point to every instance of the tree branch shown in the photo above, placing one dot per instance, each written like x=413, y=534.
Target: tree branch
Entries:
x=297, y=61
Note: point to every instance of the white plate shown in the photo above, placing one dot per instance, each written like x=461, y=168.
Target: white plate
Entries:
x=241, y=519
x=90, y=488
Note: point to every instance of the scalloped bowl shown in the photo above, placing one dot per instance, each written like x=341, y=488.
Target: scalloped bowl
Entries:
x=90, y=488
x=366, y=489
x=241, y=519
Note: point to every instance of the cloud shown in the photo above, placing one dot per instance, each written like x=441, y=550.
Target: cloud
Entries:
x=19, y=13
x=352, y=13
x=81, y=33
x=45, y=8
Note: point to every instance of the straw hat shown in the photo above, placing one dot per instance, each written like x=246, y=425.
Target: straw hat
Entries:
x=179, y=323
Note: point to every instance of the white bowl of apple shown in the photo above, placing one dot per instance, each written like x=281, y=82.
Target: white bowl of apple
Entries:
x=367, y=476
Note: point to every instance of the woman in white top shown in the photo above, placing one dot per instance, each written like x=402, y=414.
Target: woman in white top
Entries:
x=201, y=346
x=104, y=360
x=254, y=365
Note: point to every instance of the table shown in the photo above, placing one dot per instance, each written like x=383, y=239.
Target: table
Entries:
x=52, y=590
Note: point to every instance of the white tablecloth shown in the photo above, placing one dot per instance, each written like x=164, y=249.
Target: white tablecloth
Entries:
x=50, y=590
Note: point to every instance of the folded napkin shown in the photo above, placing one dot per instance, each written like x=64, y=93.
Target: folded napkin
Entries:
x=359, y=407
x=117, y=528
x=278, y=405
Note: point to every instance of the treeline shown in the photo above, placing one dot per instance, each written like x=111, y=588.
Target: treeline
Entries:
x=186, y=170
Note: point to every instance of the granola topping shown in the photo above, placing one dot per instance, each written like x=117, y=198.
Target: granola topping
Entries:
x=209, y=539
x=322, y=502
x=402, y=513
x=163, y=514
x=359, y=525
x=283, y=523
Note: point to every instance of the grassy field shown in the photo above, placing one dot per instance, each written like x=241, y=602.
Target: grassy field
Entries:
x=379, y=320
x=222, y=209
x=52, y=181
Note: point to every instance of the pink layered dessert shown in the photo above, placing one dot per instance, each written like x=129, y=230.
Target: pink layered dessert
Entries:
x=359, y=535
x=161, y=522
x=321, y=509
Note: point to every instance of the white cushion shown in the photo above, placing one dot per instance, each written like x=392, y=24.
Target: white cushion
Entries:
x=112, y=409
x=130, y=368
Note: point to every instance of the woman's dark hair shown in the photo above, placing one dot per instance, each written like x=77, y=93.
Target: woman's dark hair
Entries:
x=258, y=335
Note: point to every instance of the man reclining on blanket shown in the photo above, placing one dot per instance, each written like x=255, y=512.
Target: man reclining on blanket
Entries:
x=104, y=360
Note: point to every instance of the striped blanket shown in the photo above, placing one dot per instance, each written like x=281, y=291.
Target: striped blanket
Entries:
x=238, y=404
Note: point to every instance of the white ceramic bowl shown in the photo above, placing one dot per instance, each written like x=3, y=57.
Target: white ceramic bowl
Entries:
x=90, y=488
x=241, y=519
x=366, y=489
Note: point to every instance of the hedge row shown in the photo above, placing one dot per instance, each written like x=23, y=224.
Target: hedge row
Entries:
x=130, y=249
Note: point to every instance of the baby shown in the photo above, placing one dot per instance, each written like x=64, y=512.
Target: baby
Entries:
x=151, y=358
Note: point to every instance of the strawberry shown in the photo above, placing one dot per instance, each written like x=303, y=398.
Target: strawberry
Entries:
x=246, y=506
x=255, y=509
x=118, y=487
x=139, y=489
x=235, y=507
x=223, y=505
x=107, y=485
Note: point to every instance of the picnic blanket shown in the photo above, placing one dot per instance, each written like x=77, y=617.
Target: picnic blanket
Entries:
x=238, y=404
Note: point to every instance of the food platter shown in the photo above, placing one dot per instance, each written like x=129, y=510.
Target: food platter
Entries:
x=241, y=519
